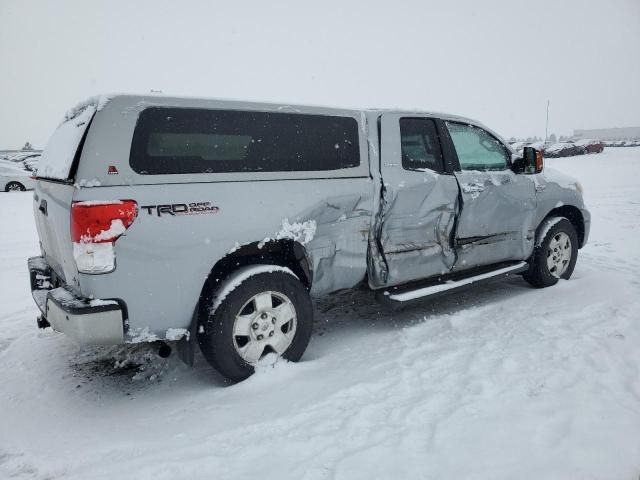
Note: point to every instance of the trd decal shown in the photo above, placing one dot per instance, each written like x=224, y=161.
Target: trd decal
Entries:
x=195, y=208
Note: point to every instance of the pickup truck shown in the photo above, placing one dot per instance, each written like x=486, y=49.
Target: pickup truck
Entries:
x=214, y=223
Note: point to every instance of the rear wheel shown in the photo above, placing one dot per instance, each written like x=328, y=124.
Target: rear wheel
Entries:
x=555, y=255
x=14, y=187
x=257, y=312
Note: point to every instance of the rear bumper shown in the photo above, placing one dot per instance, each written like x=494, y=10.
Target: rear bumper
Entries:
x=89, y=322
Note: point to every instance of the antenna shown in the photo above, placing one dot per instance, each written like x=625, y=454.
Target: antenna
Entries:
x=546, y=127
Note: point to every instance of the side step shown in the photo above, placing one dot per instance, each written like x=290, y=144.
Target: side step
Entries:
x=406, y=293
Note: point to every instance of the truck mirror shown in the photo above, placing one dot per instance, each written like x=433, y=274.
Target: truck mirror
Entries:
x=532, y=159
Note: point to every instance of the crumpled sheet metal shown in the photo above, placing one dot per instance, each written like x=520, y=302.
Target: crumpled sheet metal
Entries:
x=415, y=230
x=497, y=220
x=338, y=250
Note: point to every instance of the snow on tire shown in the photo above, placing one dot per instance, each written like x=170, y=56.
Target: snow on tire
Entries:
x=259, y=310
x=555, y=253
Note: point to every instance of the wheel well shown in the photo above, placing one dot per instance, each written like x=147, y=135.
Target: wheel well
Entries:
x=13, y=182
x=574, y=215
x=285, y=252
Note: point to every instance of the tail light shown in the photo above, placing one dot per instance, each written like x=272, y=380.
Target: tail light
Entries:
x=95, y=227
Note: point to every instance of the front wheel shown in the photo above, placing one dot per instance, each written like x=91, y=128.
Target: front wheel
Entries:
x=555, y=255
x=14, y=187
x=259, y=310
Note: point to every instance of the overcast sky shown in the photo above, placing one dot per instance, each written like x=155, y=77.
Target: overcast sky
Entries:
x=497, y=62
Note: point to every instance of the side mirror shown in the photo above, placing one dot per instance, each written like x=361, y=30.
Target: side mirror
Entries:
x=532, y=161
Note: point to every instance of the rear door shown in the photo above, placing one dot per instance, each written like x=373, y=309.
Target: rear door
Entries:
x=498, y=206
x=419, y=202
x=54, y=192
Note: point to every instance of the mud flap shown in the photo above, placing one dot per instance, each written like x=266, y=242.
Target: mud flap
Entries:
x=186, y=346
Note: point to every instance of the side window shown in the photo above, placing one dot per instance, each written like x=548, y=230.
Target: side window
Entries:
x=420, y=145
x=183, y=140
x=476, y=148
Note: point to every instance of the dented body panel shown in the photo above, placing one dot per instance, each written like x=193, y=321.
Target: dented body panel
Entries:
x=554, y=191
x=376, y=220
x=497, y=219
x=164, y=260
x=415, y=222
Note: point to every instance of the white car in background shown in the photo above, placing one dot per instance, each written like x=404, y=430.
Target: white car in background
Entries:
x=27, y=160
x=13, y=178
x=31, y=163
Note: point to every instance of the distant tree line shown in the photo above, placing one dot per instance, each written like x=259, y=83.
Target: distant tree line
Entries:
x=553, y=138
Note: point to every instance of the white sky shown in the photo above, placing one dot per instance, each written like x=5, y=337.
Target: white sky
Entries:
x=495, y=61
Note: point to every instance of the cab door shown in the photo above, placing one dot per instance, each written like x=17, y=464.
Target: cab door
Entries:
x=498, y=206
x=419, y=202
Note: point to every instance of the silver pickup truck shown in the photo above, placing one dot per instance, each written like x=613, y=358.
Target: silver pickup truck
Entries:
x=215, y=222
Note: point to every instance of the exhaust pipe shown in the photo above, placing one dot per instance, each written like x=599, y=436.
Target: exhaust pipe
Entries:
x=164, y=350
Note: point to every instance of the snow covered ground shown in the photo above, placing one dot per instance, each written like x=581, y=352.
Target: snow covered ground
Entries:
x=500, y=382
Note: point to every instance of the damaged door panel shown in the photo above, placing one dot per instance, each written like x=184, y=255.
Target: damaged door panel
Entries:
x=419, y=203
x=339, y=246
x=498, y=206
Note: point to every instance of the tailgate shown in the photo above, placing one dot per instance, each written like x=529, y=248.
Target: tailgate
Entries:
x=54, y=192
x=52, y=212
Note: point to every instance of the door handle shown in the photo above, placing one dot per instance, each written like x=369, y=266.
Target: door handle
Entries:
x=472, y=187
x=43, y=206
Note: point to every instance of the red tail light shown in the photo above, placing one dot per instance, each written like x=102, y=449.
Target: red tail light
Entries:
x=102, y=221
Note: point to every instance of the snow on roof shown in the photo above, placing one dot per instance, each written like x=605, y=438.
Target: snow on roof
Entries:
x=12, y=166
x=97, y=101
x=558, y=146
x=62, y=146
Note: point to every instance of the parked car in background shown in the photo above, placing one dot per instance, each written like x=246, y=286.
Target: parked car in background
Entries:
x=22, y=156
x=564, y=149
x=590, y=145
x=31, y=163
x=13, y=178
x=540, y=146
x=518, y=146
x=26, y=160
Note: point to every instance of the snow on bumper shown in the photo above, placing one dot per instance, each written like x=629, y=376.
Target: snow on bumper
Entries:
x=89, y=322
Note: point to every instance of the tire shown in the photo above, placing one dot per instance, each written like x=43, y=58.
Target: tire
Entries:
x=258, y=310
x=14, y=187
x=547, y=265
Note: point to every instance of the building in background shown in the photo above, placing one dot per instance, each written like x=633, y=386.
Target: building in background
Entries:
x=624, y=133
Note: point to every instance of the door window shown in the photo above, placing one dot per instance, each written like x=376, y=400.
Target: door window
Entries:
x=476, y=148
x=420, y=145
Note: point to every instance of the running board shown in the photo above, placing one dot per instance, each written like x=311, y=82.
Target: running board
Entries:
x=407, y=295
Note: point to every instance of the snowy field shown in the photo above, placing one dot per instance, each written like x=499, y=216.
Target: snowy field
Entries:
x=500, y=382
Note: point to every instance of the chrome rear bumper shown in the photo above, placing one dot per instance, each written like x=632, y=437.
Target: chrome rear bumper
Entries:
x=89, y=322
